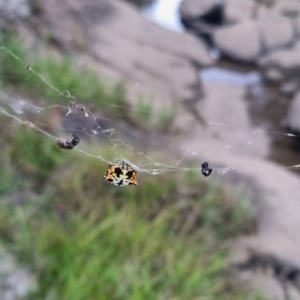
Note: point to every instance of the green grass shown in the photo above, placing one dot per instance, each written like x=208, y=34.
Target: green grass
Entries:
x=66, y=80
x=57, y=81
x=85, y=239
x=160, y=120
x=144, y=110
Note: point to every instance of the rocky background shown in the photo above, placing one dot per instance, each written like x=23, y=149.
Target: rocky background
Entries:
x=245, y=35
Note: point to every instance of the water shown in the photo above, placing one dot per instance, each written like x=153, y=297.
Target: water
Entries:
x=219, y=75
x=165, y=13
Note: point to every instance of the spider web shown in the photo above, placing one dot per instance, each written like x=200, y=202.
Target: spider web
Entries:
x=61, y=121
x=76, y=118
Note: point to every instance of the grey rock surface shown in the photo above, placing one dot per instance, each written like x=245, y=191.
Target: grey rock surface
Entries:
x=277, y=200
x=240, y=42
x=120, y=43
x=282, y=8
x=249, y=28
x=15, y=8
x=247, y=40
x=297, y=27
x=285, y=59
x=293, y=120
x=190, y=9
x=232, y=142
x=289, y=88
x=220, y=103
x=238, y=11
x=15, y=281
x=276, y=33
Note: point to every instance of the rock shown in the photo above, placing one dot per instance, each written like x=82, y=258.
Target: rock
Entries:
x=238, y=11
x=11, y=10
x=221, y=102
x=276, y=33
x=277, y=198
x=249, y=29
x=262, y=10
x=122, y=44
x=287, y=9
x=281, y=66
x=285, y=59
x=16, y=282
x=192, y=9
x=15, y=8
x=265, y=273
x=201, y=17
x=274, y=190
x=239, y=42
x=245, y=10
x=297, y=27
x=289, y=88
x=273, y=74
x=246, y=41
x=293, y=120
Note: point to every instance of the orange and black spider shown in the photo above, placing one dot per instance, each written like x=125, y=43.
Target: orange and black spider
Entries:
x=121, y=174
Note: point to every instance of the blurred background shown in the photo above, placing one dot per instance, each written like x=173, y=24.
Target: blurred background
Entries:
x=166, y=84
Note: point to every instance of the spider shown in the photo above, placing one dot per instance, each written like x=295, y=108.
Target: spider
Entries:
x=68, y=144
x=121, y=174
x=206, y=171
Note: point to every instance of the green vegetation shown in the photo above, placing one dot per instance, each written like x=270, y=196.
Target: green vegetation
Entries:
x=85, y=239
x=165, y=121
x=84, y=85
x=160, y=120
x=144, y=110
